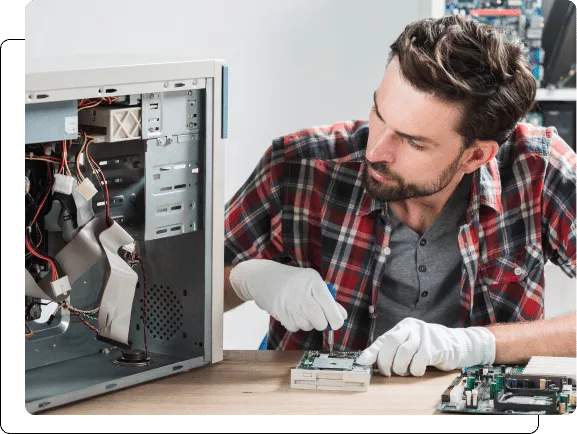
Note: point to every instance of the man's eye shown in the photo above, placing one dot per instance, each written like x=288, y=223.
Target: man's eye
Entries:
x=414, y=145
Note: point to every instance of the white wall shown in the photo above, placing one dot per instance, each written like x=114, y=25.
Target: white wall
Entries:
x=293, y=64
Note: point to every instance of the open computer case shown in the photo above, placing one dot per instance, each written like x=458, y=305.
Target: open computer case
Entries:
x=124, y=226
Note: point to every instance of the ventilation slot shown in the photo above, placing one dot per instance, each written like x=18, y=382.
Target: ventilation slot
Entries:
x=117, y=201
x=164, y=313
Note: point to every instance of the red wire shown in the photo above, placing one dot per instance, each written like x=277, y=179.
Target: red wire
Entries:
x=82, y=319
x=41, y=206
x=61, y=166
x=52, y=266
x=63, y=157
x=29, y=246
x=44, y=157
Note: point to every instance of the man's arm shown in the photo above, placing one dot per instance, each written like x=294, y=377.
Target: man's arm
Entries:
x=516, y=343
x=231, y=300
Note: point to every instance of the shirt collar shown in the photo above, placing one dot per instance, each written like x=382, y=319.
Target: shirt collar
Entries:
x=487, y=187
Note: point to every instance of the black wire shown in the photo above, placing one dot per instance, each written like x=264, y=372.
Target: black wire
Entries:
x=45, y=185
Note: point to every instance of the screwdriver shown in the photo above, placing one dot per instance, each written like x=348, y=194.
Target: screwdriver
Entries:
x=331, y=335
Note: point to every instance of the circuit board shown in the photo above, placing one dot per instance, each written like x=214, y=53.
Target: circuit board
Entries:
x=488, y=389
x=336, y=360
x=331, y=371
x=521, y=19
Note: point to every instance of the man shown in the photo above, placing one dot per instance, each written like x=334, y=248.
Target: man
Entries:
x=434, y=220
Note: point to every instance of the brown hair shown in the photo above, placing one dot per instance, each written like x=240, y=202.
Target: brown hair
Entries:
x=473, y=64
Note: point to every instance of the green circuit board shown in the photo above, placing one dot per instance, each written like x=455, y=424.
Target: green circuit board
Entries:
x=506, y=390
x=337, y=360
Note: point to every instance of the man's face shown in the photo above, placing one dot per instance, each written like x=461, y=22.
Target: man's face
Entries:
x=413, y=148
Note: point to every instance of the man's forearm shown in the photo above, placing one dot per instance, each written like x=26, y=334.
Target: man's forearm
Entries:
x=518, y=342
x=231, y=300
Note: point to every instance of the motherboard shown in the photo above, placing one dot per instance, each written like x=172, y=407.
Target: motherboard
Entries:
x=520, y=19
x=488, y=389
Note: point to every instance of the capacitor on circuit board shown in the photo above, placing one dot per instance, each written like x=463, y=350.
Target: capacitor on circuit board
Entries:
x=492, y=389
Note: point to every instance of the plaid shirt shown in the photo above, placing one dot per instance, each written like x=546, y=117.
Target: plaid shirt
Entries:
x=305, y=205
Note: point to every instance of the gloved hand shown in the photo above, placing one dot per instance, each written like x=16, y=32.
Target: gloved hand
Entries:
x=412, y=345
x=297, y=297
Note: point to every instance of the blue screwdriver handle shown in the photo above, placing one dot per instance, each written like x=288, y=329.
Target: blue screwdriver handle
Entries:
x=333, y=292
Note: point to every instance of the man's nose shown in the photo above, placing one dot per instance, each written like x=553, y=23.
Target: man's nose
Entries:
x=383, y=149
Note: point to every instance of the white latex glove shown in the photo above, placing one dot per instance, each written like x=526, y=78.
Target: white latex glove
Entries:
x=412, y=345
x=297, y=297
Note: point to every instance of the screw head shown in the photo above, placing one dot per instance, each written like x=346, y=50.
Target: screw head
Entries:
x=168, y=141
x=151, y=129
x=189, y=125
x=193, y=82
x=166, y=84
x=151, y=95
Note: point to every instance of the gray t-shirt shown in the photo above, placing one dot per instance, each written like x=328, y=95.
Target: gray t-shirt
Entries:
x=423, y=273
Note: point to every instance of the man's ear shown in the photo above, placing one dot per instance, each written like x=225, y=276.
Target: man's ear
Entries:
x=478, y=155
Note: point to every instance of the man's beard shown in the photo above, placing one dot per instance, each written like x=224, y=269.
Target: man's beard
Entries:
x=397, y=189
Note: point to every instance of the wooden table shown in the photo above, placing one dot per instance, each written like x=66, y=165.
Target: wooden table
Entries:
x=258, y=382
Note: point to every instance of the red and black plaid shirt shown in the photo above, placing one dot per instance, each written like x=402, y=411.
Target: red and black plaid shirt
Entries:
x=305, y=205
